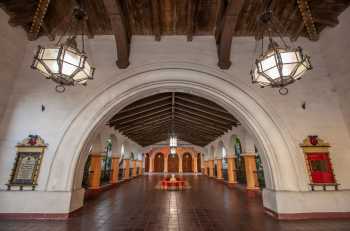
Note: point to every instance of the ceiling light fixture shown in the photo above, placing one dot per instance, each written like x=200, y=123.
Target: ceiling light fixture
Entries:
x=276, y=65
x=64, y=63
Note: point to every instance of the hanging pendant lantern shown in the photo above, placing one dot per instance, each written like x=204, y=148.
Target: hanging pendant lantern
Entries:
x=278, y=65
x=64, y=63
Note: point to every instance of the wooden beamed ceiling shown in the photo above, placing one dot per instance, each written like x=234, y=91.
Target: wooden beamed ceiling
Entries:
x=193, y=119
x=222, y=18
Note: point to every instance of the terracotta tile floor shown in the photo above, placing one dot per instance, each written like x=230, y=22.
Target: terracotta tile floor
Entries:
x=209, y=205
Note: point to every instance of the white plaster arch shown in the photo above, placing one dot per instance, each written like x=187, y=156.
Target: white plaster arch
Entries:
x=220, y=150
x=283, y=172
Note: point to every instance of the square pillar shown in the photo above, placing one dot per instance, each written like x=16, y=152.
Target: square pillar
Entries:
x=211, y=168
x=151, y=165
x=127, y=169
x=95, y=175
x=195, y=166
x=141, y=168
x=165, y=164
x=134, y=168
x=250, y=171
x=180, y=165
x=205, y=163
x=219, y=170
x=231, y=170
x=115, y=170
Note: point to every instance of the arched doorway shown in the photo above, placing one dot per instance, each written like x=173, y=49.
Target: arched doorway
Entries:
x=173, y=163
x=146, y=162
x=283, y=170
x=199, y=161
x=159, y=162
x=187, y=162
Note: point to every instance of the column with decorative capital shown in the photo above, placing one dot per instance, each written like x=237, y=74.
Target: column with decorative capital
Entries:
x=115, y=170
x=211, y=168
x=140, y=168
x=165, y=164
x=180, y=164
x=219, y=170
x=250, y=171
x=95, y=175
x=195, y=165
x=231, y=170
x=134, y=168
x=127, y=169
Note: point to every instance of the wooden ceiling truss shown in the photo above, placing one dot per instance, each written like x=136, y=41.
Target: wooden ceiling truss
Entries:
x=193, y=119
x=221, y=18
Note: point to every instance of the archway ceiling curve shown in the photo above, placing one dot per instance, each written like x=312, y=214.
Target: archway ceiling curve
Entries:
x=195, y=119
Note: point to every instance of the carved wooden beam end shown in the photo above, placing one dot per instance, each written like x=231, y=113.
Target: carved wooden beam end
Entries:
x=119, y=30
x=308, y=19
x=38, y=19
x=228, y=25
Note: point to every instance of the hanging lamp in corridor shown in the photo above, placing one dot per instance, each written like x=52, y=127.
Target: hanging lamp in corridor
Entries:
x=277, y=64
x=64, y=63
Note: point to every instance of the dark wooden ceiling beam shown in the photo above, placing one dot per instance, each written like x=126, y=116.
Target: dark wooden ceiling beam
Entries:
x=146, y=103
x=206, y=113
x=144, y=124
x=204, y=122
x=148, y=127
x=204, y=117
x=199, y=124
x=203, y=104
x=119, y=28
x=195, y=126
x=230, y=19
x=156, y=24
x=139, y=117
x=190, y=18
x=155, y=108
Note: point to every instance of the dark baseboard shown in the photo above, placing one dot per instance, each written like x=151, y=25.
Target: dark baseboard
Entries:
x=307, y=216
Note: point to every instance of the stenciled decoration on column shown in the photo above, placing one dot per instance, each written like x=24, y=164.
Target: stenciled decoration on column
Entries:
x=64, y=63
x=318, y=162
x=26, y=168
x=276, y=65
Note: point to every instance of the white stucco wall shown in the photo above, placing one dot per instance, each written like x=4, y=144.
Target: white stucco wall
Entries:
x=336, y=52
x=323, y=115
x=12, y=45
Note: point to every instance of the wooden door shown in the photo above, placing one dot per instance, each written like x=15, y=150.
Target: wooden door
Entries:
x=147, y=163
x=199, y=167
x=173, y=163
x=159, y=162
x=187, y=162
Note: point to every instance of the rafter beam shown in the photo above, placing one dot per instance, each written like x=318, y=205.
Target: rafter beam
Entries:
x=190, y=18
x=148, y=127
x=142, y=122
x=200, y=124
x=122, y=116
x=156, y=19
x=140, y=117
x=228, y=27
x=200, y=128
x=307, y=19
x=133, y=107
x=119, y=28
x=205, y=112
x=203, y=104
x=204, y=122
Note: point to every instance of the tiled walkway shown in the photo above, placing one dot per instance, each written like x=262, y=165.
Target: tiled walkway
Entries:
x=137, y=205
